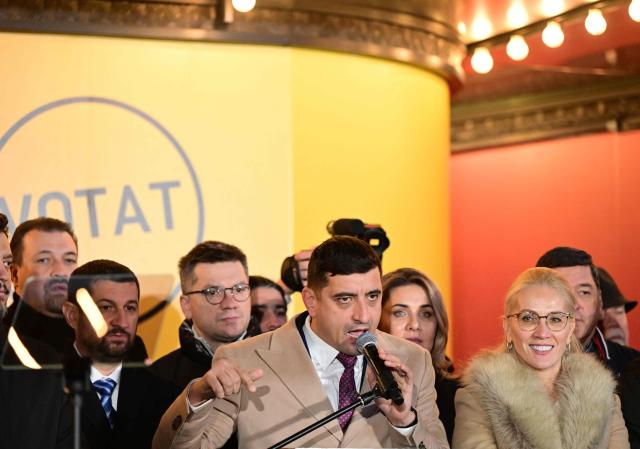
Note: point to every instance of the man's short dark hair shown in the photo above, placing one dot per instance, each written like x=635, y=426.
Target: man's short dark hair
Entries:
x=44, y=224
x=340, y=255
x=260, y=281
x=564, y=256
x=85, y=276
x=209, y=252
x=4, y=225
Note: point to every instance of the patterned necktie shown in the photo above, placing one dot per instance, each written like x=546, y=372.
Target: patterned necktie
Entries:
x=105, y=387
x=347, y=391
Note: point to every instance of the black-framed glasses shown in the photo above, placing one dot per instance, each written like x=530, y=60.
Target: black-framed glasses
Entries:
x=528, y=320
x=215, y=295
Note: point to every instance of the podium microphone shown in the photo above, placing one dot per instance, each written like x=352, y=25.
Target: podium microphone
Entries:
x=385, y=382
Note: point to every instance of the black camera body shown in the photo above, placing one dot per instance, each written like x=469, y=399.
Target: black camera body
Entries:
x=374, y=235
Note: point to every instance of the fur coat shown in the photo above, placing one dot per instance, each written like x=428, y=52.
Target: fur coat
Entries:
x=505, y=406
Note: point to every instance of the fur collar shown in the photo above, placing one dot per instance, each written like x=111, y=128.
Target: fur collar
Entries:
x=522, y=414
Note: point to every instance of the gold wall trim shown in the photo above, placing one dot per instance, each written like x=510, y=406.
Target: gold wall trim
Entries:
x=417, y=32
x=614, y=107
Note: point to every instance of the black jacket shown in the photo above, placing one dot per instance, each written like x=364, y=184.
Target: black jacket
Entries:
x=190, y=361
x=629, y=391
x=142, y=400
x=445, y=400
x=34, y=412
x=615, y=356
x=29, y=322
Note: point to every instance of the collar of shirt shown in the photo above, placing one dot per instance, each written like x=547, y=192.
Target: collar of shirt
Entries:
x=328, y=368
x=115, y=376
x=205, y=343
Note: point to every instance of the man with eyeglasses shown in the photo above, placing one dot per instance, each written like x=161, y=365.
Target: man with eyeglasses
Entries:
x=216, y=306
x=577, y=267
x=274, y=384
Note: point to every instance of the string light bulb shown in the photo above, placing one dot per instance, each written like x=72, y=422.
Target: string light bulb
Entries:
x=517, y=15
x=481, y=27
x=517, y=48
x=481, y=60
x=552, y=8
x=634, y=10
x=552, y=35
x=595, y=22
x=243, y=5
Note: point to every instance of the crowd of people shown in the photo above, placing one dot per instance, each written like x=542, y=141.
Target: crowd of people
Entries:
x=246, y=377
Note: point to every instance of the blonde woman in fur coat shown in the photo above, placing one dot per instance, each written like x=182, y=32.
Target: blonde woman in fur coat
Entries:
x=540, y=391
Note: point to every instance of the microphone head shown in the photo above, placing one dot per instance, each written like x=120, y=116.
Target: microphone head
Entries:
x=365, y=339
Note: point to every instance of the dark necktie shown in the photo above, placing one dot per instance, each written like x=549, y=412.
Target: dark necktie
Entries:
x=347, y=390
x=105, y=387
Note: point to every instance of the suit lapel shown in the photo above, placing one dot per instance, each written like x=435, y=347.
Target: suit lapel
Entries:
x=129, y=403
x=286, y=351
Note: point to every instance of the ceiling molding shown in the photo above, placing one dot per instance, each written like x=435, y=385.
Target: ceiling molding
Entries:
x=421, y=33
x=520, y=119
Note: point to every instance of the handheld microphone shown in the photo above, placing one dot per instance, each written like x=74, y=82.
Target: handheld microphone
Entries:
x=385, y=382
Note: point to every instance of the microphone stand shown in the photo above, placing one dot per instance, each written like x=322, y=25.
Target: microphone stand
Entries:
x=362, y=400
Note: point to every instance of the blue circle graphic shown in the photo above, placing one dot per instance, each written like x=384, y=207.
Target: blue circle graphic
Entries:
x=143, y=115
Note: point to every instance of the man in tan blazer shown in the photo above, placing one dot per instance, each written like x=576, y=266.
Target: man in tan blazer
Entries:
x=273, y=385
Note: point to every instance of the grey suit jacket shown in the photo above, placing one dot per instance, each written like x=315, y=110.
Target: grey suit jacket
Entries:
x=290, y=397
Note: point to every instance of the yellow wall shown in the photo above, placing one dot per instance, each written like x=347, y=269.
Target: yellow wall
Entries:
x=281, y=141
x=371, y=141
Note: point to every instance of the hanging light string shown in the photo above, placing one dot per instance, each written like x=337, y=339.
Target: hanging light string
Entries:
x=551, y=29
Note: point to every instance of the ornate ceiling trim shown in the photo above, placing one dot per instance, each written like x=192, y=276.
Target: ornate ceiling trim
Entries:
x=514, y=120
x=417, y=32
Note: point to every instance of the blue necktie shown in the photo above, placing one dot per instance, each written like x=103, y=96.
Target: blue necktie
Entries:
x=105, y=387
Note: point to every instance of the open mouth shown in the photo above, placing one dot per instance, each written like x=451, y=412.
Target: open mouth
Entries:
x=541, y=349
x=355, y=333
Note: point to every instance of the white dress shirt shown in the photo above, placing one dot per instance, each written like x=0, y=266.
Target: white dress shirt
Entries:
x=329, y=369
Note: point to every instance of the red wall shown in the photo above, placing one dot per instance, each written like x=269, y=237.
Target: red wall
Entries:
x=511, y=204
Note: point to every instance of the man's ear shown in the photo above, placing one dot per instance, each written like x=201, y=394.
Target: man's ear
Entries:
x=310, y=299
x=14, y=274
x=185, y=305
x=71, y=314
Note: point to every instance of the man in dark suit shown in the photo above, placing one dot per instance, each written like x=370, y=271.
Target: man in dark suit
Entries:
x=209, y=323
x=577, y=267
x=271, y=385
x=124, y=404
x=629, y=390
x=45, y=252
x=33, y=410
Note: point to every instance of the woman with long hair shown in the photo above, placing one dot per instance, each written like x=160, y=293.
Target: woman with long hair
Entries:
x=413, y=309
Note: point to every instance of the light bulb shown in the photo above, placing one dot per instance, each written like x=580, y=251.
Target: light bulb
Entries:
x=517, y=15
x=481, y=60
x=552, y=35
x=517, y=48
x=243, y=5
x=481, y=28
x=552, y=8
x=634, y=10
x=595, y=22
